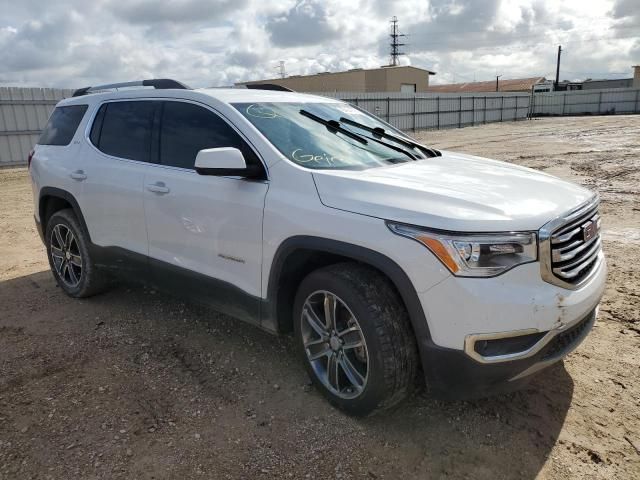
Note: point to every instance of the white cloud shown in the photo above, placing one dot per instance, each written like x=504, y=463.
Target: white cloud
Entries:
x=71, y=43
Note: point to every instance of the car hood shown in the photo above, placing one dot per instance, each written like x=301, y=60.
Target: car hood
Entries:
x=452, y=192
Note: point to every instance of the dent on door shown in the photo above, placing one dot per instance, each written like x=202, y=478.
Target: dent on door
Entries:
x=211, y=228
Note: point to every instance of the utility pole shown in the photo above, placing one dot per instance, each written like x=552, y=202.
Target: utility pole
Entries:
x=283, y=72
x=555, y=85
x=395, y=42
x=497, y=84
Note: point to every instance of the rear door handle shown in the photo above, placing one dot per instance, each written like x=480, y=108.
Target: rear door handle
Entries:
x=158, y=187
x=78, y=175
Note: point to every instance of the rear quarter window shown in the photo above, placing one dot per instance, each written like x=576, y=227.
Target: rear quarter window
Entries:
x=123, y=129
x=62, y=125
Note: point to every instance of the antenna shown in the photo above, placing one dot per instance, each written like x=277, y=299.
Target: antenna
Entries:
x=283, y=72
x=395, y=42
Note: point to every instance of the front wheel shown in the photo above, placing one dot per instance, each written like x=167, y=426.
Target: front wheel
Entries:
x=355, y=338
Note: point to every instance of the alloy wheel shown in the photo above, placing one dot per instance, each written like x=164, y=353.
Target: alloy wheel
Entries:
x=334, y=344
x=66, y=256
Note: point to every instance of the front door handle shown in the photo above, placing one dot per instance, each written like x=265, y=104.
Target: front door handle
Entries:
x=78, y=175
x=158, y=187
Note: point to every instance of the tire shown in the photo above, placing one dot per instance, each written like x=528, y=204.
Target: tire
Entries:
x=383, y=352
x=72, y=265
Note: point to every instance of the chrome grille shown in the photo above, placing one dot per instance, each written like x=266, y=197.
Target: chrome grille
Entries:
x=575, y=247
x=570, y=246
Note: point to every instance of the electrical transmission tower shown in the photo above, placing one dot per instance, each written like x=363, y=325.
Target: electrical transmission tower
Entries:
x=280, y=67
x=395, y=42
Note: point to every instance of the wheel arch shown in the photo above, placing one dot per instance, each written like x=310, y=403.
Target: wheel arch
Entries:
x=54, y=199
x=297, y=256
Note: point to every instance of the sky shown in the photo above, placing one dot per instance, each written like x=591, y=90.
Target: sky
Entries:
x=75, y=43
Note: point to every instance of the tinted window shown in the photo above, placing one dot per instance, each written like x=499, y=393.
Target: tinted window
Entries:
x=186, y=129
x=62, y=125
x=97, y=126
x=125, y=130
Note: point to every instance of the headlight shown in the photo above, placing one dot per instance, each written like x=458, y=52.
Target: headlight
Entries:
x=474, y=255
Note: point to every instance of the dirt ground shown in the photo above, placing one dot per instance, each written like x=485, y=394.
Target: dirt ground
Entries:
x=130, y=384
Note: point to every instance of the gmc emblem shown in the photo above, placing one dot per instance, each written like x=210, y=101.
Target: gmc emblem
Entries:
x=589, y=230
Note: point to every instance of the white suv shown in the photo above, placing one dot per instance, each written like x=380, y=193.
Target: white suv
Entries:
x=388, y=259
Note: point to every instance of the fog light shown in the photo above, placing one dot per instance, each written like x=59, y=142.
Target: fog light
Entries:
x=507, y=346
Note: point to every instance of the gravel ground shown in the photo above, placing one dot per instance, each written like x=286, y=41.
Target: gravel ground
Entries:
x=130, y=384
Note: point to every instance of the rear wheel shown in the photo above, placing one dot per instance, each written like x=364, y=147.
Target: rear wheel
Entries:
x=355, y=338
x=69, y=256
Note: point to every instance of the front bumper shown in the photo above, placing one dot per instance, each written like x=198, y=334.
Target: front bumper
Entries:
x=452, y=374
x=516, y=301
x=466, y=315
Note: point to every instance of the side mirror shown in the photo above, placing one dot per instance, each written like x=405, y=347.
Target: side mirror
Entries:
x=225, y=161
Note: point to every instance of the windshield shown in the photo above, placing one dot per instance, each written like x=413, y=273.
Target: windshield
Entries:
x=312, y=144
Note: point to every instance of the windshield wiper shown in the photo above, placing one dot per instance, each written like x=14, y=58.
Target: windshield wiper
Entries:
x=381, y=132
x=391, y=146
x=336, y=126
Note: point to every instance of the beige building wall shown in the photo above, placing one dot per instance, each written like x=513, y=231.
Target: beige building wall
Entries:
x=636, y=76
x=388, y=79
x=391, y=79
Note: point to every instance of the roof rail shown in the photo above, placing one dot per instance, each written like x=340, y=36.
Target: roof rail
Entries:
x=157, y=83
x=267, y=86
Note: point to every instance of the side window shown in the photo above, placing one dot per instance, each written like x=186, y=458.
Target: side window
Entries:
x=97, y=125
x=185, y=129
x=62, y=125
x=123, y=129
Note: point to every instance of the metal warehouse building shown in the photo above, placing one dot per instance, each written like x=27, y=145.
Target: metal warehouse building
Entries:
x=384, y=79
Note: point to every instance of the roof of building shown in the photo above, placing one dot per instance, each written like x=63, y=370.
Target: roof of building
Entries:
x=509, y=85
x=592, y=80
x=337, y=73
